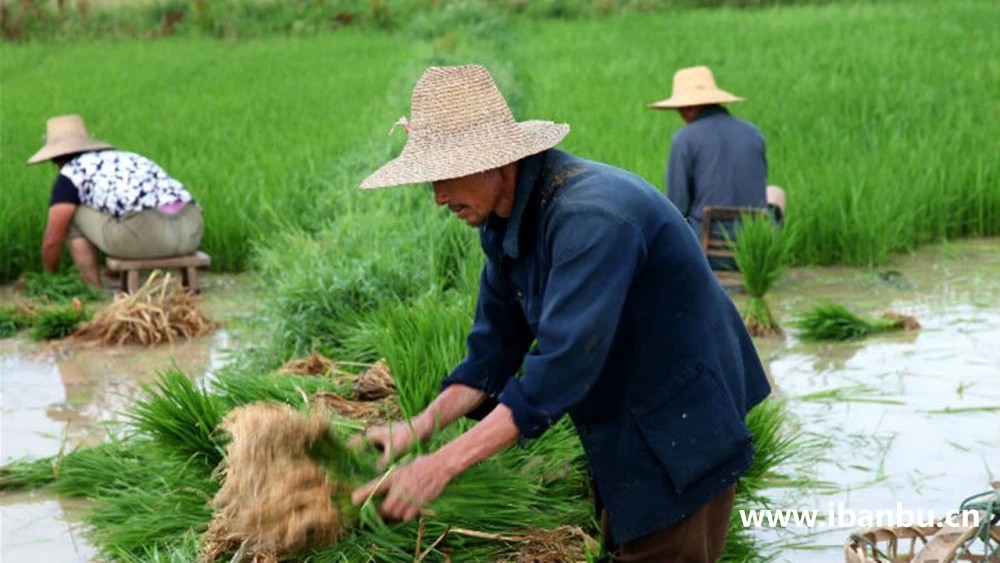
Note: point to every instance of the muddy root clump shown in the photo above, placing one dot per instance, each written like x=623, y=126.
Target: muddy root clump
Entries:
x=275, y=499
x=313, y=364
x=158, y=312
x=375, y=383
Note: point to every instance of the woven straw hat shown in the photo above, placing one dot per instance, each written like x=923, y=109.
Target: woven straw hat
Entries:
x=461, y=125
x=65, y=134
x=694, y=86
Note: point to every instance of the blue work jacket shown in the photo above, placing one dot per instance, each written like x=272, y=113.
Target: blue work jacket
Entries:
x=597, y=286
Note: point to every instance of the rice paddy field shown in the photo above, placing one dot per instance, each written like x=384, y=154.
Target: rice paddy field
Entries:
x=881, y=121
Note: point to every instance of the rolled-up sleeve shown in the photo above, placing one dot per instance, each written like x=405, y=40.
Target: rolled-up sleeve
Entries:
x=499, y=338
x=595, y=255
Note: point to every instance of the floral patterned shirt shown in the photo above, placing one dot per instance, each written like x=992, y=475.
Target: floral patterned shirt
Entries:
x=116, y=182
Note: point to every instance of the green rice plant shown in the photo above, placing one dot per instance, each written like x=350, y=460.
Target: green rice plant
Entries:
x=238, y=388
x=181, y=417
x=833, y=321
x=156, y=506
x=422, y=341
x=57, y=321
x=761, y=253
x=26, y=474
x=452, y=252
x=12, y=321
x=58, y=287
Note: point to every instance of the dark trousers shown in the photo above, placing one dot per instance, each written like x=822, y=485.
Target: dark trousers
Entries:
x=699, y=538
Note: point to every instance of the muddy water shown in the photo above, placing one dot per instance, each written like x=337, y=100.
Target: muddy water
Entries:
x=910, y=421
x=57, y=396
x=877, y=404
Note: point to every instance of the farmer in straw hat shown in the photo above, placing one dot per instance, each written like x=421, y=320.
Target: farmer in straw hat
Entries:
x=594, y=283
x=118, y=202
x=716, y=159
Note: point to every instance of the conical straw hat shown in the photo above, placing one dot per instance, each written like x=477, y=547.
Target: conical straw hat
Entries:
x=461, y=125
x=695, y=86
x=66, y=134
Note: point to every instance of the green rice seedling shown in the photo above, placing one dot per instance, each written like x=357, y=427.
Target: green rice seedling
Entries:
x=59, y=287
x=57, y=321
x=181, y=417
x=26, y=474
x=12, y=321
x=833, y=321
x=237, y=388
x=422, y=341
x=451, y=252
x=158, y=504
x=760, y=252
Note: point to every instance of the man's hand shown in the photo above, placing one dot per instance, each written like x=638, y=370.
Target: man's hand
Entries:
x=408, y=488
x=392, y=439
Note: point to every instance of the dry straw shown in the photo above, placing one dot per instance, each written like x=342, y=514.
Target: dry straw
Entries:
x=275, y=499
x=158, y=312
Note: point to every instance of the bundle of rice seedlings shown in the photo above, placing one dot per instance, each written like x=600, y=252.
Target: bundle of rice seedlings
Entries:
x=832, y=321
x=58, y=287
x=57, y=321
x=276, y=499
x=158, y=312
x=760, y=252
x=180, y=416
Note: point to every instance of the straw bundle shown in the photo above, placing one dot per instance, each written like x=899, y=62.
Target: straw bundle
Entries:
x=275, y=499
x=158, y=312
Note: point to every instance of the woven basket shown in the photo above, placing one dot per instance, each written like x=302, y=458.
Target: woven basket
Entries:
x=914, y=544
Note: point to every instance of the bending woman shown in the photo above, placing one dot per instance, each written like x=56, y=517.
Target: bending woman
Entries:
x=112, y=201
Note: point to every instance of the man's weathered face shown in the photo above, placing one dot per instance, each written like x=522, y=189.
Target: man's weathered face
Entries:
x=471, y=198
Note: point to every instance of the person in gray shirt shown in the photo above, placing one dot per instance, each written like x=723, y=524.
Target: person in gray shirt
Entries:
x=716, y=159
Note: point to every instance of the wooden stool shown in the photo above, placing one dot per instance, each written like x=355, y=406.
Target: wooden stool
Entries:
x=715, y=245
x=188, y=265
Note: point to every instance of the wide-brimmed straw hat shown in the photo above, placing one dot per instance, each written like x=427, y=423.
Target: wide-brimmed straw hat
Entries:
x=460, y=125
x=65, y=134
x=695, y=86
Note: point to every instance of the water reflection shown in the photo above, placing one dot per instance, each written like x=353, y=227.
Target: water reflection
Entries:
x=908, y=417
x=55, y=398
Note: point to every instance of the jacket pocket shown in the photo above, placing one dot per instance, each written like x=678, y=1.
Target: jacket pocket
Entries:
x=692, y=430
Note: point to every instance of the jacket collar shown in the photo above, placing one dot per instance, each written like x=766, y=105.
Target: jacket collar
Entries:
x=528, y=176
x=710, y=111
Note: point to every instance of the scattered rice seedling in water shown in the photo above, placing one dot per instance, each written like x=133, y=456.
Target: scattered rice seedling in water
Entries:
x=760, y=252
x=57, y=321
x=832, y=321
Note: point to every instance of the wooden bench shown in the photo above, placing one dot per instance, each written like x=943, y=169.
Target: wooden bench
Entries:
x=187, y=264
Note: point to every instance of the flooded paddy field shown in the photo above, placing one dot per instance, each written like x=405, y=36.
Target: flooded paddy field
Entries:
x=908, y=417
